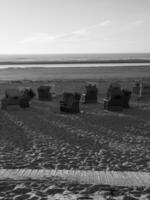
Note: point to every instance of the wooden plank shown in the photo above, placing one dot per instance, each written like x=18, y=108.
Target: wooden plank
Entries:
x=110, y=177
x=89, y=175
x=83, y=176
x=130, y=179
x=99, y=178
x=136, y=177
x=27, y=173
x=125, y=179
x=103, y=177
x=13, y=173
x=95, y=179
x=2, y=171
x=21, y=172
x=51, y=173
x=67, y=174
x=75, y=175
x=118, y=178
x=145, y=178
x=6, y=173
x=33, y=173
x=40, y=173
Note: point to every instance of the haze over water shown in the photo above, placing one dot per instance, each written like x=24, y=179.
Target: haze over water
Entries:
x=74, y=60
x=74, y=66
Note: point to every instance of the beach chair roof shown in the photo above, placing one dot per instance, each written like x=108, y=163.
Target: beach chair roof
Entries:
x=44, y=87
x=115, y=84
x=22, y=89
x=90, y=83
x=13, y=92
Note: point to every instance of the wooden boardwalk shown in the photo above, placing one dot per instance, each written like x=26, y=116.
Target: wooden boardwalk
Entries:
x=115, y=178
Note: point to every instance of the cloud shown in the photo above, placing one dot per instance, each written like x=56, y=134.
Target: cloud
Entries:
x=75, y=35
x=138, y=22
x=44, y=38
x=106, y=23
x=141, y=22
x=37, y=37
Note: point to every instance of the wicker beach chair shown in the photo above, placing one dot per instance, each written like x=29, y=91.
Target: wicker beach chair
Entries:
x=91, y=93
x=114, y=99
x=44, y=93
x=70, y=102
x=17, y=96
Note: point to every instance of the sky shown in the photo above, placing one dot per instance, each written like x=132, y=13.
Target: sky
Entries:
x=74, y=26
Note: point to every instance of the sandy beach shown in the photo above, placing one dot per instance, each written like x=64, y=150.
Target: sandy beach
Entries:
x=41, y=137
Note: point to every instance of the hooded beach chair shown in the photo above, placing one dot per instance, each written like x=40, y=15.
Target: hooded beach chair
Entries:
x=114, y=99
x=136, y=88
x=145, y=90
x=26, y=95
x=91, y=93
x=44, y=93
x=17, y=96
x=70, y=102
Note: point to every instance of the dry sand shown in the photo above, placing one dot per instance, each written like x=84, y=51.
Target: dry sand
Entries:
x=42, y=137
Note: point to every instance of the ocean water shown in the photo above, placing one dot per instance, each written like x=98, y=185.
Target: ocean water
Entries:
x=73, y=60
x=74, y=66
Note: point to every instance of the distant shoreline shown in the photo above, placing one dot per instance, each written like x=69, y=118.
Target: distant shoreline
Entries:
x=113, y=61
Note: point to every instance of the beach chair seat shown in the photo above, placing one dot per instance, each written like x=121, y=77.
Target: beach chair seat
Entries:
x=70, y=103
x=24, y=102
x=114, y=104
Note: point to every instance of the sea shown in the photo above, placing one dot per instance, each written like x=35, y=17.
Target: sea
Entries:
x=73, y=60
x=74, y=66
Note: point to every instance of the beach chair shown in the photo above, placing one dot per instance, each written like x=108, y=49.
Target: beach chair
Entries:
x=44, y=93
x=142, y=89
x=136, y=88
x=17, y=96
x=27, y=92
x=91, y=94
x=145, y=90
x=12, y=97
x=114, y=98
x=70, y=102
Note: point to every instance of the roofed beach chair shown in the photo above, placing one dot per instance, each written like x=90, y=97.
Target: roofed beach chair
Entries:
x=26, y=95
x=142, y=89
x=27, y=91
x=91, y=94
x=70, y=102
x=17, y=96
x=136, y=88
x=44, y=93
x=145, y=89
x=114, y=99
